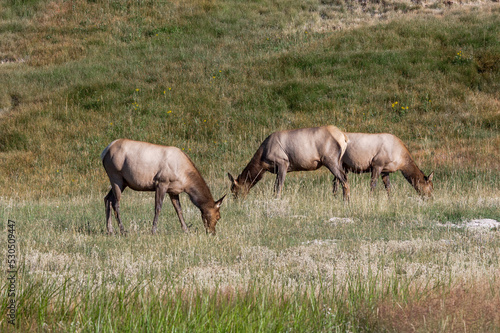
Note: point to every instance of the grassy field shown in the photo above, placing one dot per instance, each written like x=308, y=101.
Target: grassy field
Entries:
x=215, y=77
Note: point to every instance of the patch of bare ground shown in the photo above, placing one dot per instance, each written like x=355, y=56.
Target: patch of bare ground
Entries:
x=345, y=14
x=479, y=225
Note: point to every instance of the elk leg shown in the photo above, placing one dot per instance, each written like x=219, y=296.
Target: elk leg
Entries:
x=335, y=185
x=375, y=174
x=160, y=192
x=280, y=179
x=387, y=182
x=117, y=194
x=339, y=175
x=346, y=190
x=177, y=205
x=108, y=202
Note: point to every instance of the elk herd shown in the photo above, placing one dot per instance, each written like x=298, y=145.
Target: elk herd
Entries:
x=165, y=170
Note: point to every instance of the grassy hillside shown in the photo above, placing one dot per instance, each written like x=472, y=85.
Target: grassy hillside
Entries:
x=215, y=77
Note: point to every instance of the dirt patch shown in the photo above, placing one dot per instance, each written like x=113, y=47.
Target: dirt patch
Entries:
x=476, y=225
x=340, y=220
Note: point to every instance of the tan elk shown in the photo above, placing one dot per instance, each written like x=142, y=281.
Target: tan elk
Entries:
x=302, y=149
x=382, y=154
x=144, y=166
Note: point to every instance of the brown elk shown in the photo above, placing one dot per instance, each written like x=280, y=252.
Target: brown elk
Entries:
x=302, y=149
x=382, y=154
x=144, y=166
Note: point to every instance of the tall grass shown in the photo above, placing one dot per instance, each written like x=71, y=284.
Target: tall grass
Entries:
x=140, y=309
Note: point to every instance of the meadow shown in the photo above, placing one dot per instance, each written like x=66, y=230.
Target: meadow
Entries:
x=214, y=78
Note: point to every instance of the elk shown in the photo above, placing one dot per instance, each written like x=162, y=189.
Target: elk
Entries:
x=304, y=149
x=382, y=154
x=144, y=166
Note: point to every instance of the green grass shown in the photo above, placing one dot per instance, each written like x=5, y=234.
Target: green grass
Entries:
x=215, y=77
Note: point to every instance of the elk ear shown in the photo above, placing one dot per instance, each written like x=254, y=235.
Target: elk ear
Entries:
x=231, y=178
x=431, y=175
x=219, y=202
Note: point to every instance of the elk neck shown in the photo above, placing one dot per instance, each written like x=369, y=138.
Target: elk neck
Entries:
x=199, y=193
x=254, y=171
x=412, y=173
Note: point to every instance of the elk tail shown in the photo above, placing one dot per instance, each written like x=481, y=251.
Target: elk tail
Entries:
x=343, y=146
x=346, y=138
x=105, y=151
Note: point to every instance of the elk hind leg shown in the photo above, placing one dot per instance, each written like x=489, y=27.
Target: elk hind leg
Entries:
x=117, y=192
x=112, y=200
x=335, y=185
x=109, y=200
x=339, y=176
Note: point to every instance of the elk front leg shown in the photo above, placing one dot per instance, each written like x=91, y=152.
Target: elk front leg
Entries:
x=375, y=173
x=280, y=180
x=177, y=205
x=387, y=182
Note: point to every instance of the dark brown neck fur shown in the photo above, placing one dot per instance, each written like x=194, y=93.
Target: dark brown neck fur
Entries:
x=413, y=174
x=254, y=171
x=198, y=191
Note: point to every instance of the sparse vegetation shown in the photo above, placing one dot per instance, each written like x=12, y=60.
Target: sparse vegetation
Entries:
x=215, y=77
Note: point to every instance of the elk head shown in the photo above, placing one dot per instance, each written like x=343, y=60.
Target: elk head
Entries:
x=238, y=189
x=211, y=215
x=425, y=188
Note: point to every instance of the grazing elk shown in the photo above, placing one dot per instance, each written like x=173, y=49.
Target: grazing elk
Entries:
x=303, y=149
x=382, y=154
x=144, y=166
